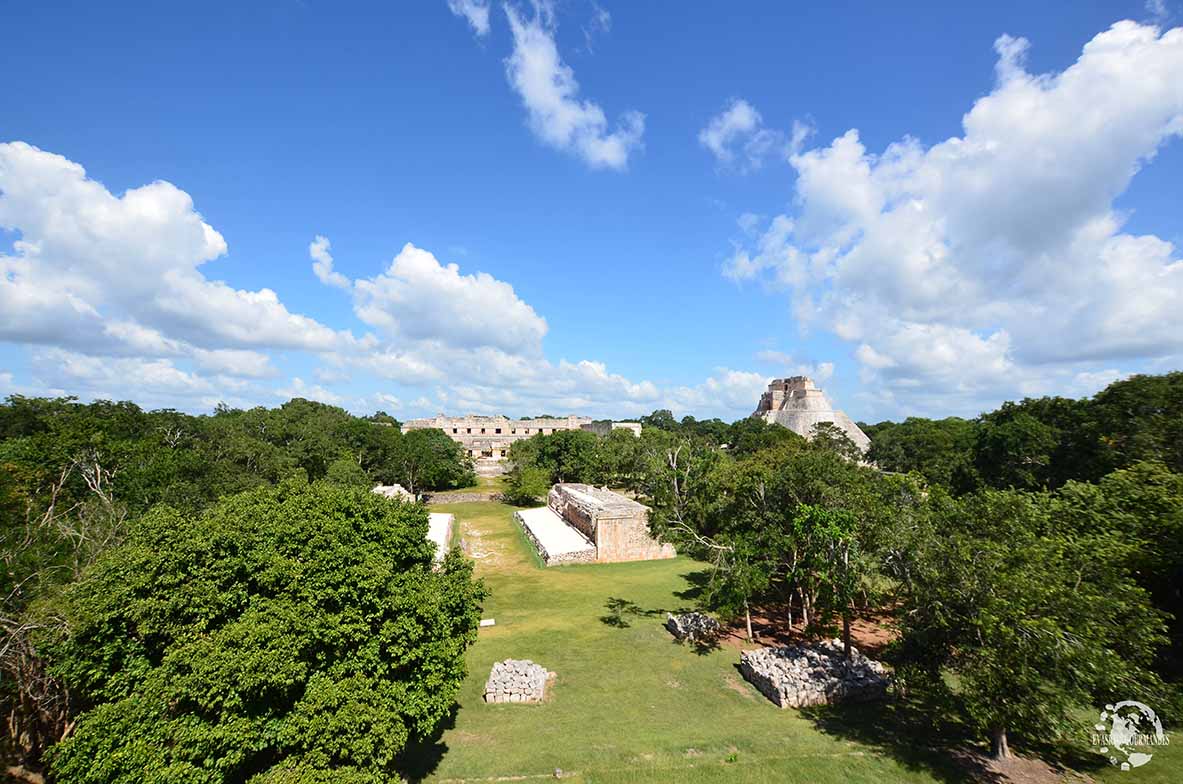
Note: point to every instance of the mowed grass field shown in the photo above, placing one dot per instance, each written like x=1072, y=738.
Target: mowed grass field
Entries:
x=630, y=705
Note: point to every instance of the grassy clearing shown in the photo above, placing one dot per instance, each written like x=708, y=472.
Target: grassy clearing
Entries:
x=630, y=705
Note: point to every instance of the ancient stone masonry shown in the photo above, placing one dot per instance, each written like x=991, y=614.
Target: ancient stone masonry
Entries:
x=603, y=427
x=515, y=680
x=618, y=526
x=582, y=524
x=489, y=437
x=693, y=626
x=397, y=492
x=797, y=403
x=798, y=676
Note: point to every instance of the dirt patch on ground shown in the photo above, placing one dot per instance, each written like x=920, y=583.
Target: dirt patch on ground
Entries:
x=870, y=631
x=735, y=685
x=982, y=769
x=470, y=737
x=480, y=548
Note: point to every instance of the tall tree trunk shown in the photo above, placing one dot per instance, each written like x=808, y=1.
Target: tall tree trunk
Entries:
x=1000, y=749
x=748, y=617
x=804, y=610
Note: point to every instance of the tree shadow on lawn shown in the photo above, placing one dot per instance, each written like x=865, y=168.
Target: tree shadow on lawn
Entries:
x=926, y=733
x=922, y=736
x=698, y=583
x=618, y=608
x=421, y=757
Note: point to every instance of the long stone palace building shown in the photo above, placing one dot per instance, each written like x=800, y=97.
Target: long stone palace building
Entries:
x=797, y=403
x=489, y=437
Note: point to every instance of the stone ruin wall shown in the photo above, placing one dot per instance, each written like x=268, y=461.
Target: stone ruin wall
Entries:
x=604, y=427
x=578, y=515
x=628, y=539
x=619, y=529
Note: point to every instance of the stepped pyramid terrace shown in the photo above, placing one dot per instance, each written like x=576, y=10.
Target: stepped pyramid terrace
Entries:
x=798, y=404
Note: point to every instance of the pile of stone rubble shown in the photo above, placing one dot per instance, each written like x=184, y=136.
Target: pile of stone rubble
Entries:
x=797, y=676
x=693, y=626
x=516, y=680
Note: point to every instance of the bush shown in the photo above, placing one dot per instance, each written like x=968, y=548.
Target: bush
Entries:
x=289, y=634
x=527, y=485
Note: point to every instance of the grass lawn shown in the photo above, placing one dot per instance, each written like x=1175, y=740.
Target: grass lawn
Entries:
x=630, y=705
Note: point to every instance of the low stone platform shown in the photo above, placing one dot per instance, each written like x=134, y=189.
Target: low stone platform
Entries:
x=556, y=542
x=517, y=680
x=798, y=676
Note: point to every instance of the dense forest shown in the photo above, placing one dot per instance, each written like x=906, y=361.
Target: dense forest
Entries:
x=229, y=580
x=221, y=598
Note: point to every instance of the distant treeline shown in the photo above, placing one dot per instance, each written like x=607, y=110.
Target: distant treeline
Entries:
x=150, y=457
x=1038, y=443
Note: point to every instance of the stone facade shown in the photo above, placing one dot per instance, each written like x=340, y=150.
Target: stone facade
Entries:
x=488, y=438
x=515, y=680
x=797, y=403
x=798, y=676
x=491, y=436
x=618, y=526
x=603, y=427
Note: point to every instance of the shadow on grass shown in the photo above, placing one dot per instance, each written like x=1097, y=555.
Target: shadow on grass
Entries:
x=421, y=757
x=618, y=608
x=926, y=733
x=920, y=734
x=698, y=583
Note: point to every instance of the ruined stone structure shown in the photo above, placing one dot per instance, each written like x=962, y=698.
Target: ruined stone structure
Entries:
x=489, y=437
x=585, y=524
x=517, y=680
x=693, y=626
x=798, y=676
x=618, y=526
x=603, y=427
x=797, y=403
x=397, y=492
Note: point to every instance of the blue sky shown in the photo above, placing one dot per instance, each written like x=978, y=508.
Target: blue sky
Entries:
x=931, y=208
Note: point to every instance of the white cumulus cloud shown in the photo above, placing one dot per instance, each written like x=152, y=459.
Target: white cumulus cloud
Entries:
x=996, y=255
x=99, y=272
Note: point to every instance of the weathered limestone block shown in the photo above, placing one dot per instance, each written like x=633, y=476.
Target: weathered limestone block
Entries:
x=693, y=626
x=797, y=676
x=397, y=492
x=517, y=680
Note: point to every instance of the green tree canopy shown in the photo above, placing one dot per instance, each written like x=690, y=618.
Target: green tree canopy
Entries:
x=1035, y=621
x=297, y=629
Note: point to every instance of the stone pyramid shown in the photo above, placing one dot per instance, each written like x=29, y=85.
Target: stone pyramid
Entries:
x=797, y=403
